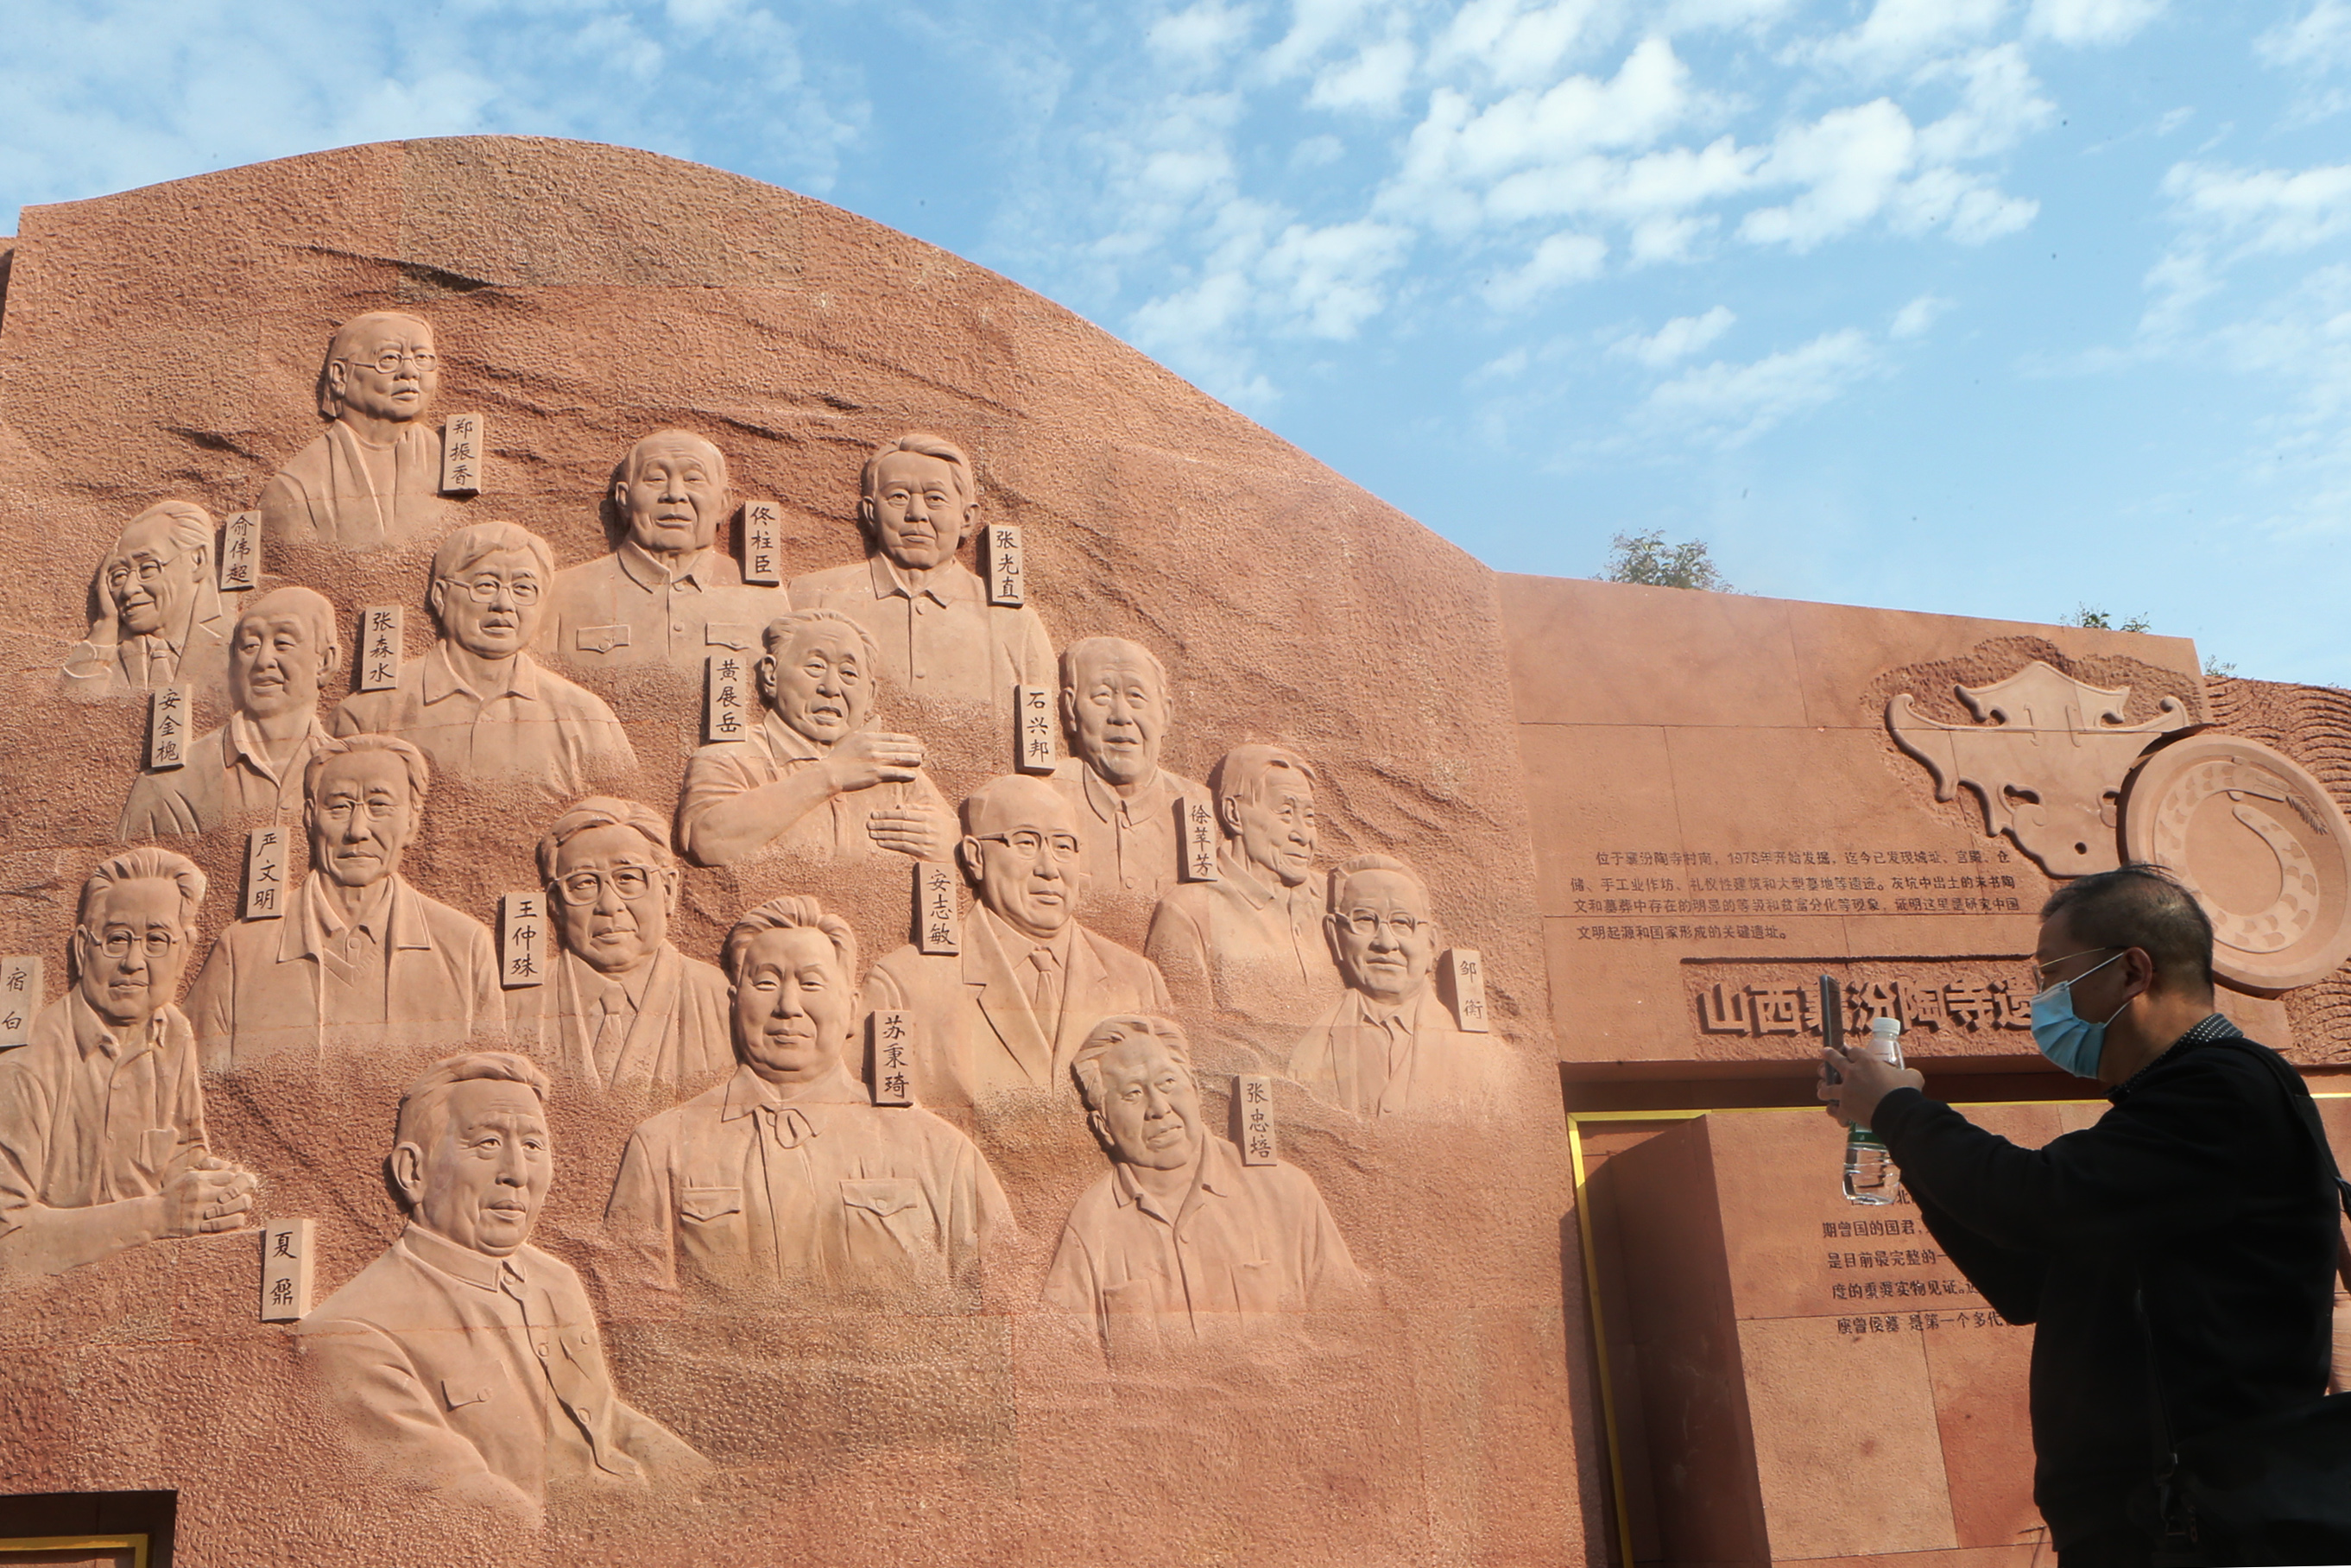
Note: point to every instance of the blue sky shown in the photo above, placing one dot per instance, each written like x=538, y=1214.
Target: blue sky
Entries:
x=1993, y=307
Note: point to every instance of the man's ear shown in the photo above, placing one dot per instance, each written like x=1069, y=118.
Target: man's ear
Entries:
x=968, y=855
x=866, y=518
x=407, y=1168
x=338, y=380
x=1228, y=815
x=330, y=659
x=1099, y=1125
x=433, y=597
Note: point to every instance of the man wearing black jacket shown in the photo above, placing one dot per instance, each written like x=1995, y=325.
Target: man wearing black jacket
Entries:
x=2200, y=1185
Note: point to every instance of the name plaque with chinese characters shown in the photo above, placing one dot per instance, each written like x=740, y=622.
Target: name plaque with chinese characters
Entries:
x=1253, y=1119
x=461, y=455
x=1034, y=706
x=240, y=551
x=1195, y=819
x=379, y=648
x=285, y=1271
x=167, y=727
x=938, y=916
x=892, y=1044
x=763, y=543
x=20, y=998
x=1000, y=560
x=265, y=873
x=726, y=697
x=1465, y=976
x=522, y=939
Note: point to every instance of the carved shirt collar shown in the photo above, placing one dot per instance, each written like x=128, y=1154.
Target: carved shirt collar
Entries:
x=786, y=743
x=950, y=582
x=747, y=1092
x=654, y=573
x=1111, y=806
x=314, y=919
x=94, y=1036
x=441, y=680
x=464, y=1264
x=243, y=739
x=1219, y=1174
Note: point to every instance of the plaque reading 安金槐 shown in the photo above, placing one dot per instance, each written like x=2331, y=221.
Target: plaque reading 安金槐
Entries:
x=892, y=1045
x=1000, y=560
x=379, y=649
x=522, y=939
x=763, y=543
x=461, y=455
x=726, y=697
x=20, y=998
x=938, y=923
x=240, y=551
x=167, y=727
x=265, y=873
x=285, y=1271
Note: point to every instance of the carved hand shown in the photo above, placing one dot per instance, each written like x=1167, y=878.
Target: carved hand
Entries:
x=873, y=756
x=915, y=831
x=211, y=1196
x=105, y=630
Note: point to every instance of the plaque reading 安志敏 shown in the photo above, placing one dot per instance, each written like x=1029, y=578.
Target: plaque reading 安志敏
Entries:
x=285, y=1271
x=461, y=455
x=1034, y=742
x=1000, y=560
x=892, y=1044
x=379, y=649
x=240, y=551
x=763, y=543
x=1253, y=1119
x=522, y=939
x=167, y=727
x=726, y=697
x=938, y=924
x=265, y=873
x=1195, y=826
x=20, y=998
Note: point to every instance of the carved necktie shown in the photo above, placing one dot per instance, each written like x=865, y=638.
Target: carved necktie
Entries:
x=785, y=1125
x=1045, y=990
x=611, y=1035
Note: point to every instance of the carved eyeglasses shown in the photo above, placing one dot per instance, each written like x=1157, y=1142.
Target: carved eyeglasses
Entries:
x=1364, y=922
x=388, y=362
x=118, y=943
x=583, y=887
x=1029, y=845
x=523, y=590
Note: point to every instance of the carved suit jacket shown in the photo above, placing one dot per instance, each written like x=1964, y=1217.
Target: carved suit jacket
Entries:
x=977, y=1033
x=680, y=1037
x=325, y=493
x=481, y=1378
x=1350, y=1059
x=1245, y=948
x=260, y=990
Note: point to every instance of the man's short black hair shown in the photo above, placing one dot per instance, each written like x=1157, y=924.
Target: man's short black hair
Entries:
x=2142, y=907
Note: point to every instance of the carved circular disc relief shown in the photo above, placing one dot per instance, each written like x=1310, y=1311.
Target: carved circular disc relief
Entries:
x=2263, y=845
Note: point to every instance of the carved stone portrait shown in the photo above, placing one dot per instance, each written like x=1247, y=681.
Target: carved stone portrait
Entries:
x=1012, y=1010
x=102, y=1141
x=936, y=637
x=478, y=704
x=1114, y=711
x=1390, y=1044
x=811, y=778
x=372, y=477
x=360, y=958
x=667, y=594
x=621, y=1005
x=1251, y=943
x=787, y=1175
x=1181, y=1242
x=284, y=646
x=463, y=1359
x=158, y=617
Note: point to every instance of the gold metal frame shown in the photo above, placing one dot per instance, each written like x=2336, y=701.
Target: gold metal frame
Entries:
x=134, y=1544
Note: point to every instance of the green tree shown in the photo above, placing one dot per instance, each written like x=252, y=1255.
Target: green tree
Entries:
x=2099, y=620
x=1646, y=557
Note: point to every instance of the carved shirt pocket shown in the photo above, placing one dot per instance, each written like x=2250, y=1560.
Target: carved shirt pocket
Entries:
x=888, y=1219
x=599, y=639
x=456, y=1393
x=728, y=633
x=703, y=1205
x=1257, y=1286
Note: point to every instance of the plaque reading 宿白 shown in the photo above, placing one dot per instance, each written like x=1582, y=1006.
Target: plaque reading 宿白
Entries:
x=461, y=455
x=167, y=727
x=1034, y=706
x=726, y=697
x=1467, y=977
x=379, y=649
x=1253, y=1119
x=938, y=923
x=1196, y=822
x=763, y=543
x=20, y=998
x=522, y=939
x=1000, y=560
x=285, y=1271
x=893, y=1046
x=240, y=551
x=265, y=873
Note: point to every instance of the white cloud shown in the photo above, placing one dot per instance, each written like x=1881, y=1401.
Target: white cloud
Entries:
x=1201, y=34
x=1677, y=339
x=1999, y=105
x=1897, y=33
x=2264, y=209
x=1317, y=151
x=1914, y=318
x=1374, y=80
x=1516, y=42
x=1735, y=404
x=1331, y=277
x=2319, y=40
x=1851, y=162
x=1561, y=260
x=2088, y=22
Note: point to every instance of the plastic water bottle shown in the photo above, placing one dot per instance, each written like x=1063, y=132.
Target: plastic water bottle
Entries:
x=1870, y=1175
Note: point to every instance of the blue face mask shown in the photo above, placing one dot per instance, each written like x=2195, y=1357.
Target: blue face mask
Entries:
x=2065, y=1037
